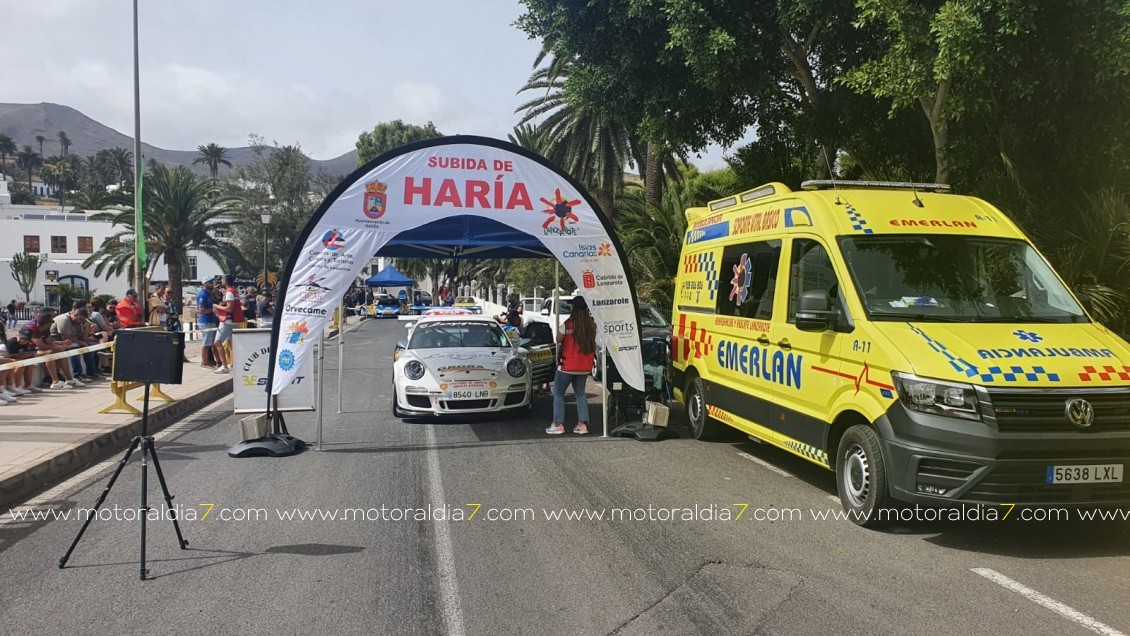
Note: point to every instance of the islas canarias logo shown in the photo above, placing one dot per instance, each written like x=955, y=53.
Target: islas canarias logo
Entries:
x=559, y=209
x=296, y=333
x=333, y=240
x=375, y=200
x=739, y=290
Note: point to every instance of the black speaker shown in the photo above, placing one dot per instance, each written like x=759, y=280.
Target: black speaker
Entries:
x=155, y=357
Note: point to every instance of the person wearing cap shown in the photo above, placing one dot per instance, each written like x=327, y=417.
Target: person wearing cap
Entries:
x=22, y=380
x=129, y=311
x=206, y=320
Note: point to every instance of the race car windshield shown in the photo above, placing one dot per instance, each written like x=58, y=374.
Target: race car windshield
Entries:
x=458, y=335
x=953, y=278
x=388, y=302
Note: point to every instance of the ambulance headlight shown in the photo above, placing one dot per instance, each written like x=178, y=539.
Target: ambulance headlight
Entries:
x=937, y=397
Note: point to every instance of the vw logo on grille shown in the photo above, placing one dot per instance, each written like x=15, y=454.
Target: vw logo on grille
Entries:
x=1079, y=412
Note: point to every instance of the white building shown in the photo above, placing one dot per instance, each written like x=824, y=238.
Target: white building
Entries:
x=5, y=194
x=65, y=241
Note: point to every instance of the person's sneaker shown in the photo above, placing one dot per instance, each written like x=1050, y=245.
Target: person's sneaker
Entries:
x=555, y=429
x=6, y=400
x=76, y=383
x=224, y=369
x=11, y=397
x=59, y=386
x=581, y=429
x=35, y=389
x=18, y=390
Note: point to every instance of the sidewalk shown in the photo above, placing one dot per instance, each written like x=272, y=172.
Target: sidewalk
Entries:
x=45, y=437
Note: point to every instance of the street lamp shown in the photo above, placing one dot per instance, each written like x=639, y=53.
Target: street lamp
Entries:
x=265, y=215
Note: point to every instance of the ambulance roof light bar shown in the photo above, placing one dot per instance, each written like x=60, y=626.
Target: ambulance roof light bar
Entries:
x=825, y=184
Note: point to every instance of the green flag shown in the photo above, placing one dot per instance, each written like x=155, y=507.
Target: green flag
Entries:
x=138, y=219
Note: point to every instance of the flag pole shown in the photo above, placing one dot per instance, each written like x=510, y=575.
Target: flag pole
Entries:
x=139, y=230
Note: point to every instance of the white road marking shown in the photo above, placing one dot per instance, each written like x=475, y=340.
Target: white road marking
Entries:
x=1050, y=603
x=765, y=464
x=449, y=604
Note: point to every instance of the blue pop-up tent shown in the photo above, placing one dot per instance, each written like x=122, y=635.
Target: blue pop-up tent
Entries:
x=389, y=277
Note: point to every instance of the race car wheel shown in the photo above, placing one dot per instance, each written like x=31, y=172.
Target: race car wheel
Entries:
x=861, y=475
x=701, y=424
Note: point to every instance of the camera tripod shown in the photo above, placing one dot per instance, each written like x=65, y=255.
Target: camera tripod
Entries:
x=145, y=442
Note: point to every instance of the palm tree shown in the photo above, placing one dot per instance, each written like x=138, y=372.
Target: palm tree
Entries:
x=94, y=197
x=212, y=155
x=40, y=139
x=62, y=173
x=29, y=160
x=7, y=147
x=529, y=137
x=120, y=161
x=181, y=213
x=652, y=237
x=588, y=144
x=64, y=141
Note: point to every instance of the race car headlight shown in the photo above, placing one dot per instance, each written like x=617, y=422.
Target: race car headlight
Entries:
x=516, y=367
x=414, y=370
x=937, y=397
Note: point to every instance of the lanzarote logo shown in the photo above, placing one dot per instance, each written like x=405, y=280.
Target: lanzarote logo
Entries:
x=559, y=210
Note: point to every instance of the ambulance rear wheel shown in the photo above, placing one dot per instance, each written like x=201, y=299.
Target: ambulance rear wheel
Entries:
x=701, y=424
x=861, y=475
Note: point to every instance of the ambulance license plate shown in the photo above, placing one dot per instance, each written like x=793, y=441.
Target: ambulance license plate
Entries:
x=1085, y=474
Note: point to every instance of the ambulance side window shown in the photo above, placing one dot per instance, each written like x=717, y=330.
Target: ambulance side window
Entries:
x=747, y=279
x=811, y=270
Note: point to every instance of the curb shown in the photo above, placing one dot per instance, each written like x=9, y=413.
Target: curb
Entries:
x=73, y=460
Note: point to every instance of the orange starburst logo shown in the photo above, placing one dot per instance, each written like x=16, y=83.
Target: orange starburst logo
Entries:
x=559, y=209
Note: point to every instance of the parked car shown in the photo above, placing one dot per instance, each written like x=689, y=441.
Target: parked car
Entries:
x=454, y=364
x=468, y=302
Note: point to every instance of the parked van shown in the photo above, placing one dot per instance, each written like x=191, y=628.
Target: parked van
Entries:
x=911, y=340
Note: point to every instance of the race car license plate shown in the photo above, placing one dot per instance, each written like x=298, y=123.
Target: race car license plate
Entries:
x=472, y=394
x=1085, y=474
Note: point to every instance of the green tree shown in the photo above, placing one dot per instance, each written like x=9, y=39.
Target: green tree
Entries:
x=25, y=270
x=212, y=155
x=388, y=135
x=7, y=147
x=181, y=214
x=120, y=162
x=64, y=141
x=62, y=174
x=40, y=139
x=28, y=160
x=652, y=238
x=530, y=137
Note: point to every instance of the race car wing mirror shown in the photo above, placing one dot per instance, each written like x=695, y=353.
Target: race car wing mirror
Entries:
x=814, y=311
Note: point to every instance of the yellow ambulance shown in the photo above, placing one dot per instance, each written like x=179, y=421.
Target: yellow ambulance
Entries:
x=912, y=340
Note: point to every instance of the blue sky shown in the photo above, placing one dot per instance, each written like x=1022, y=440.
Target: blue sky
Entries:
x=312, y=73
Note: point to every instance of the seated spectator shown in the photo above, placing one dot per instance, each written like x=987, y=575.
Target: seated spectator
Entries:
x=71, y=328
x=38, y=332
x=266, y=309
x=97, y=311
x=18, y=381
x=111, y=316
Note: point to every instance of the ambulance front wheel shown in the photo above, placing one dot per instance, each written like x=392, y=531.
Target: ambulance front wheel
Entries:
x=861, y=475
x=701, y=424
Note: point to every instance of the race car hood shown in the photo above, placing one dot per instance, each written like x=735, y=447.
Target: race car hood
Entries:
x=465, y=364
x=997, y=354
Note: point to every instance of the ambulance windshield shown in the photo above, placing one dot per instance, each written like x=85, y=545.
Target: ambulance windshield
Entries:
x=953, y=278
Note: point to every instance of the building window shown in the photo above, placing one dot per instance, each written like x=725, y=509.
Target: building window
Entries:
x=58, y=245
x=192, y=268
x=86, y=245
x=31, y=244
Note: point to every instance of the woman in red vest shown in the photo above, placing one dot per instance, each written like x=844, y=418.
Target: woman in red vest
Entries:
x=577, y=341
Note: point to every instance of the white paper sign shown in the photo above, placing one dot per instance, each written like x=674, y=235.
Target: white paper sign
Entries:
x=251, y=350
x=452, y=177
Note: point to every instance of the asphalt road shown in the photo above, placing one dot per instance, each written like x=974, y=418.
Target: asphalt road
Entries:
x=529, y=574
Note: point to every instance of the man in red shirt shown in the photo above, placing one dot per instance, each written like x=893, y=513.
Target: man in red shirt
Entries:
x=129, y=311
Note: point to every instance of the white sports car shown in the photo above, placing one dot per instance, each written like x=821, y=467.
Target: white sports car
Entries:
x=459, y=363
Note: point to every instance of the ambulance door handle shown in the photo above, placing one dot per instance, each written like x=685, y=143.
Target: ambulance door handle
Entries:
x=784, y=343
x=763, y=339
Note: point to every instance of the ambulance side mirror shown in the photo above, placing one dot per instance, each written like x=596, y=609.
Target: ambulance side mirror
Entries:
x=814, y=311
